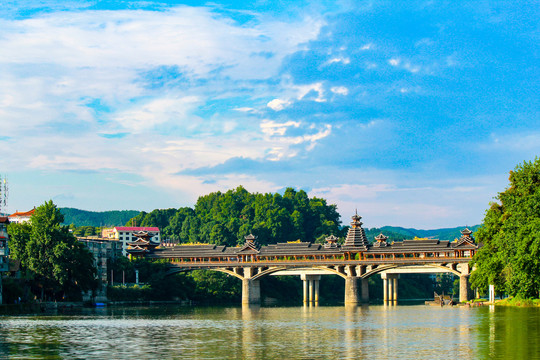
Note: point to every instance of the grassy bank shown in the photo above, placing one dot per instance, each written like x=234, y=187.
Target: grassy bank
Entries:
x=518, y=302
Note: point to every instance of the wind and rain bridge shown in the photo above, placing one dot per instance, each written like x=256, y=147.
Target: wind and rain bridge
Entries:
x=355, y=261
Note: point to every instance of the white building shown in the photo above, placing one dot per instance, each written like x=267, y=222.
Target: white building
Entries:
x=21, y=216
x=125, y=235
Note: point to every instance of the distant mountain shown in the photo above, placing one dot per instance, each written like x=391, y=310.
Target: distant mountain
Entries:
x=97, y=218
x=441, y=234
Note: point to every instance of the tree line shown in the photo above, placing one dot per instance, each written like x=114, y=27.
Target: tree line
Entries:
x=54, y=265
x=96, y=218
x=225, y=218
x=509, y=257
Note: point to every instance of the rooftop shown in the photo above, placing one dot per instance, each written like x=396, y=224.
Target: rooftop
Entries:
x=23, y=213
x=136, y=228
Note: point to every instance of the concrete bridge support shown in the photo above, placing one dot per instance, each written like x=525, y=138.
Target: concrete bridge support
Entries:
x=464, y=287
x=251, y=289
x=352, y=294
x=390, y=288
x=311, y=288
x=365, y=291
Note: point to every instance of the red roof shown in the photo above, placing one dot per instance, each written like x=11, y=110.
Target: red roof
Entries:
x=23, y=213
x=4, y=219
x=136, y=228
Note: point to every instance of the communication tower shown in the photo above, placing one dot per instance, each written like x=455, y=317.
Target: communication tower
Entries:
x=4, y=192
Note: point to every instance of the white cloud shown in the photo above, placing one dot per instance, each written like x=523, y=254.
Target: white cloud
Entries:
x=245, y=109
x=271, y=128
x=278, y=104
x=306, y=89
x=342, y=60
x=394, y=62
x=411, y=68
x=367, y=46
x=340, y=90
x=159, y=111
x=195, y=38
x=66, y=77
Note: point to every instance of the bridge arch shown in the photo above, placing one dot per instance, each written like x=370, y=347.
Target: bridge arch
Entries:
x=384, y=268
x=273, y=270
x=176, y=270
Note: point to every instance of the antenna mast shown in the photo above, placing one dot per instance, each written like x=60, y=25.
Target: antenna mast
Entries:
x=4, y=192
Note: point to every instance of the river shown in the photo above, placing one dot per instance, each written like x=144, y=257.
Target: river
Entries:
x=176, y=332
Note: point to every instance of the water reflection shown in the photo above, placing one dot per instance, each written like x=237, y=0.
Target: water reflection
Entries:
x=508, y=332
x=375, y=332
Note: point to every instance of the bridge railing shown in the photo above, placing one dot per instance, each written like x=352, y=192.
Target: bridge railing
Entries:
x=323, y=261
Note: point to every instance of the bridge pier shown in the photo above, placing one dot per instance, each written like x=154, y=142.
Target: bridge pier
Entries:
x=365, y=291
x=390, y=288
x=311, y=288
x=251, y=289
x=351, y=290
x=464, y=288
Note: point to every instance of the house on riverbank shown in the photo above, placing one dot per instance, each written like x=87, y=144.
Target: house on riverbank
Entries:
x=4, y=249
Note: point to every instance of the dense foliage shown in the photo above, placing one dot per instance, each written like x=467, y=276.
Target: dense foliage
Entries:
x=96, y=218
x=84, y=231
x=158, y=284
x=510, y=256
x=225, y=218
x=56, y=264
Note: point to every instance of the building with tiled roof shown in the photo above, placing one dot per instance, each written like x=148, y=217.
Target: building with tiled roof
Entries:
x=126, y=234
x=21, y=216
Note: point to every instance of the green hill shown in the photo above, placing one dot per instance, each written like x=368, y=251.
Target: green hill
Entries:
x=442, y=234
x=97, y=218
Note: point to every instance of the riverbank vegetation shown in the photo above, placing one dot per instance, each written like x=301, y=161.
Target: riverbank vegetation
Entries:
x=53, y=264
x=510, y=256
x=517, y=301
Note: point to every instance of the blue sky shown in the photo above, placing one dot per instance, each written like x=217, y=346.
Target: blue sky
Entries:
x=411, y=112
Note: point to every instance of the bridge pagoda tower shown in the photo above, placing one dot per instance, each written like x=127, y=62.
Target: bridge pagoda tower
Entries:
x=355, y=244
x=356, y=240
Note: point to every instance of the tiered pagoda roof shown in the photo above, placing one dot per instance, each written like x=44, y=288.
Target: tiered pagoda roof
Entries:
x=466, y=237
x=356, y=236
x=331, y=242
x=143, y=244
x=251, y=245
x=381, y=240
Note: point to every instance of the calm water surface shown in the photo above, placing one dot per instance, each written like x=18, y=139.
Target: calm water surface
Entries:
x=374, y=332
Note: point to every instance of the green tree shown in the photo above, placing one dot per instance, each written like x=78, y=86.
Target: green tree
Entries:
x=510, y=234
x=225, y=218
x=52, y=255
